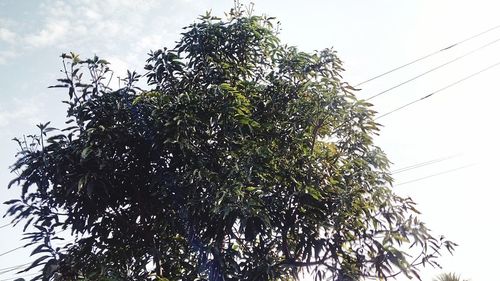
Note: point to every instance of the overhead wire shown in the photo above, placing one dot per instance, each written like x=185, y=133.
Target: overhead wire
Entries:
x=430, y=162
x=421, y=164
x=434, y=175
x=13, y=268
x=5, y=225
x=434, y=69
x=18, y=277
x=439, y=90
x=428, y=55
x=10, y=251
x=16, y=267
x=24, y=246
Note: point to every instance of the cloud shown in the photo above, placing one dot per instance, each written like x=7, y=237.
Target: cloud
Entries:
x=5, y=56
x=107, y=20
x=97, y=26
x=6, y=35
x=26, y=111
x=51, y=34
x=120, y=28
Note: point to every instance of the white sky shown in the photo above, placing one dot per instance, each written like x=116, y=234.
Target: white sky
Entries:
x=370, y=36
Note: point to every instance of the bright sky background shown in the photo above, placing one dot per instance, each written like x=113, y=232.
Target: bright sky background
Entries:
x=370, y=37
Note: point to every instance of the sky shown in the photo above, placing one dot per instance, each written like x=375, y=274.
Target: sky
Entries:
x=459, y=123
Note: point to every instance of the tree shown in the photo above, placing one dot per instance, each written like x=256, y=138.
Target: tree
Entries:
x=245, y=159
x=449, y=277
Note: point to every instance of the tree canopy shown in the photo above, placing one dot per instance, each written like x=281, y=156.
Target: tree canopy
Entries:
x=240, y=159
x=449, y=277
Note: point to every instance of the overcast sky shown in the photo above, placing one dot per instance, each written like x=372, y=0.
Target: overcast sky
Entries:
x=370, y=37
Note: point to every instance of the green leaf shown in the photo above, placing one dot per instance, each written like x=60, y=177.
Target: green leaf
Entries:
x=86, y=152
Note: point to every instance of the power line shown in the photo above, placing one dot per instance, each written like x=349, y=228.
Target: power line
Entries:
x=13, y=268
x=428, y=55
x=10, y=251
x=434, y=69
x=433, y=175
x=18, y=277
x=439, y=90
x=421, y=164
x=5, y=225
x=20, y=247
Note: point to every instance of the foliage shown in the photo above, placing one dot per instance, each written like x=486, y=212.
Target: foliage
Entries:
x=246, y=159
x=449, y=277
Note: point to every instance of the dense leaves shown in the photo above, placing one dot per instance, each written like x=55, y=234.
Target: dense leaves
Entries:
x=245, y=159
